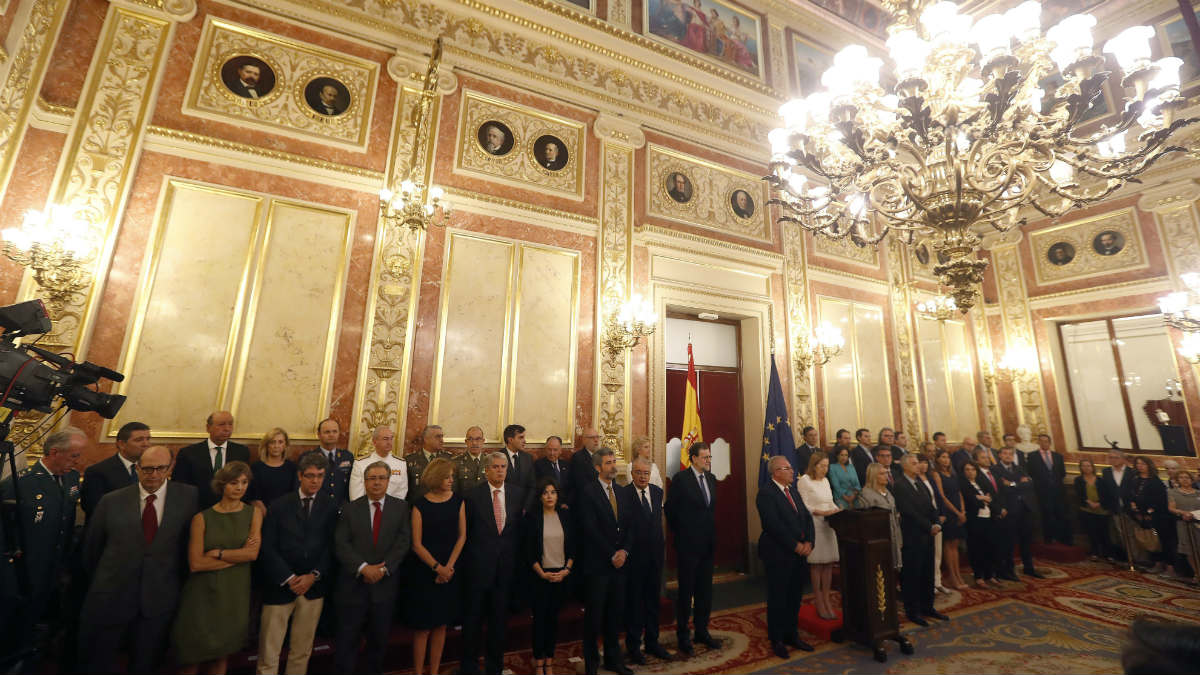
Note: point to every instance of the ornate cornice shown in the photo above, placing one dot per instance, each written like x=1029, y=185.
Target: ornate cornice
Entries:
x=656, y=236
x=1123, y=289
x=478, y=202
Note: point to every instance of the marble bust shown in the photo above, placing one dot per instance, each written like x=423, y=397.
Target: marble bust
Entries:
x=1026, y=443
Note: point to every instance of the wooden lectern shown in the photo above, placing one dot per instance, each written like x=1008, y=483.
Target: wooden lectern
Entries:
x=868, y=578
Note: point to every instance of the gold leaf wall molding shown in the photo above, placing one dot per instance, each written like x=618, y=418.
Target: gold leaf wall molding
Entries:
x=905, y=343
x=1092, y=294
x=1018, y=330
x=739, y=254
x=799, y=322
x=489, y=205
x=847, y=279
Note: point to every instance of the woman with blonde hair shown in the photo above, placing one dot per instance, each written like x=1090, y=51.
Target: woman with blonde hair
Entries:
x=274, y=475
x=814, y=489
x=641, y=448
x=876, y=495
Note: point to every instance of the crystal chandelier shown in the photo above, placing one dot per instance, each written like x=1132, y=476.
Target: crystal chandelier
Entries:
x=633, y=321
x=817, y=349
x=56, y=245
x=414, y=204
x=966, y=140
x=1181, y=309
x=938, y=308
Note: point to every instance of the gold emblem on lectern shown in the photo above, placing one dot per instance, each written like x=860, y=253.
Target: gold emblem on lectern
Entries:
x=880, y=590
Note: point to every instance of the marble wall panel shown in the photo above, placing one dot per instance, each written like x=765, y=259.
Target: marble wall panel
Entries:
x=469, y=376
x=840, y=399
x=959, y=347
x=542, y=394
x=188, y=278
x=287, y=355
x=870, y=354
x=935, y=390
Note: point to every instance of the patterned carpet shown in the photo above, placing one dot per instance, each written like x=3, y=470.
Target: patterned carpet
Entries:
x=1071, y=622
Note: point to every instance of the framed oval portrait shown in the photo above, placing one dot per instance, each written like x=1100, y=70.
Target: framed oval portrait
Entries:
x=327, y=96
x=249, y=78
x=1108, y=242
x=550, y=152
x=922, y=254
x=495, y=138
x=742, y=203
x=679, y=187
x=943, y=257
x=1060, y=253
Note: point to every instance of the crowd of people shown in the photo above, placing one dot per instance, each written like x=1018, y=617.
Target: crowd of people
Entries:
x=185, y=555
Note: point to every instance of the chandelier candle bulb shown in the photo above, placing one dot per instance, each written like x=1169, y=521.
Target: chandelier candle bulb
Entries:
x=1131, y=48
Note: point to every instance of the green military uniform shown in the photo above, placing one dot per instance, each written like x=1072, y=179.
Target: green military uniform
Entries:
x=468, y=471
x=48, y=525
x=416, y=463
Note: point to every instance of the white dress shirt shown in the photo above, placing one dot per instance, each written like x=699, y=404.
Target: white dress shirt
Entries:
x=127, y=464
x=159, y=499
x=397, y=484
x=212, y=452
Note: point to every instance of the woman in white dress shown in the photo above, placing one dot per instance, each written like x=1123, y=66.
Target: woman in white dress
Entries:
x=641, y=448
x=814, y=489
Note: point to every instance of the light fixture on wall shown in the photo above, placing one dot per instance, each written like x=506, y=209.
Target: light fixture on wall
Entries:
x=56, y=245
x=966, y=141
x=1189, y=348
x=634, y=320
x=938, y=308
x=1018, y=363
x=819, y=348
x=413, y=204
x=1181, y=309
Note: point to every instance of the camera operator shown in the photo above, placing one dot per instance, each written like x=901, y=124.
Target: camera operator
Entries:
x=48, y=492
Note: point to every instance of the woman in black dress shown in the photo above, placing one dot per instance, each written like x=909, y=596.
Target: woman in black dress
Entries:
x=549, y=550
x=439, y=531
x=1148, y=508
x=274, y=474
x=952, y=505
x=978, y=499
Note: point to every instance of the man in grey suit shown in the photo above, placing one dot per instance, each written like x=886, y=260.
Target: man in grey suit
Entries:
x=135, y=547
x=373, y=535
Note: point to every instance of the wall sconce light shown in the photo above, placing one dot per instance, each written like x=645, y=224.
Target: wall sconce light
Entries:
x=817, y=349
x=56, y=246
x=1189, y=348
x=1181, y=309
x=633, y=321
x=1018, y=363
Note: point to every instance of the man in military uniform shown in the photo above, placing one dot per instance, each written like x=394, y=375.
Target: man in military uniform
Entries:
x=431, y=447
x=341, y=461
x=470, y=465
x=49, y=491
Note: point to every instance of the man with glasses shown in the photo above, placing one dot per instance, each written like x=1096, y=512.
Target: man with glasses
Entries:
x=783, y=546
x=134, y=546
x=645, y=566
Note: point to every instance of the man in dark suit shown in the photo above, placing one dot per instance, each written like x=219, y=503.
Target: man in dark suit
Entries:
x=246, y=83
x=883, y=456
x=645, y=565
x=965, y=453
x=520, y=463
x=605, y=517
x=340, y=462
x=294, y=566
x=691, y=514
x=196, y=463
x=860, y=455
x=984, y=440
x=805, y=451
x=552, y=465
x=49, y=490
x=1009, y=440
x=583, y=470
x=494, y=512
x=1018, y=524
x=1048, y=472
x=887, y=439
x=432, y=442
x=118, y=470
x=1118, y=480
x=135, y=549
x=918, y=526
x=785, y=542
x=373, y=535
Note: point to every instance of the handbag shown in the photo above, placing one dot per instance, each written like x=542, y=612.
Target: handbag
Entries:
x=1147, y=538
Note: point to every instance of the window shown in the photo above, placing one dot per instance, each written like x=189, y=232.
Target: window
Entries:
x=1115, y=367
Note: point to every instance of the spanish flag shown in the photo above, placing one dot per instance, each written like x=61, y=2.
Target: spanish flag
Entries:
x=691, y=414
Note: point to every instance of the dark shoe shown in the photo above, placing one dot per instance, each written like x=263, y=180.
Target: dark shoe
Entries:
x=685, y=648
x=635, y=656
x=619, y=668
x=779, y=649
x=1009, y=577
x=1034, y=573
x=656, y=650
x=917, y=620
x=798, y=644
x=933, y=613
x=708, y=641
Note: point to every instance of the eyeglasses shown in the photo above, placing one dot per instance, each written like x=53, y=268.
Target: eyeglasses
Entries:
x=154, y=469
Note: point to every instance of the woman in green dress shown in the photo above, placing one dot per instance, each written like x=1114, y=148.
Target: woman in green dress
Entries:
x=214, y=610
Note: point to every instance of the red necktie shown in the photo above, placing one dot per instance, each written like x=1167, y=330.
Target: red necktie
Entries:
x=149, y=519
x=376, y=522
x=788, y=493
x=992, y=480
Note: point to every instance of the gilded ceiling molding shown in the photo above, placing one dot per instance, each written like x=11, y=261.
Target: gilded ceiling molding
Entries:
x=900, y=295
x=381, y=392
x=799, y=311
x=1018, y=330
x=614, y=275
x=38, y=23
x=1174, y=207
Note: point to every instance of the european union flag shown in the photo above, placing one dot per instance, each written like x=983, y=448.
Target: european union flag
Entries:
x=777, y=431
